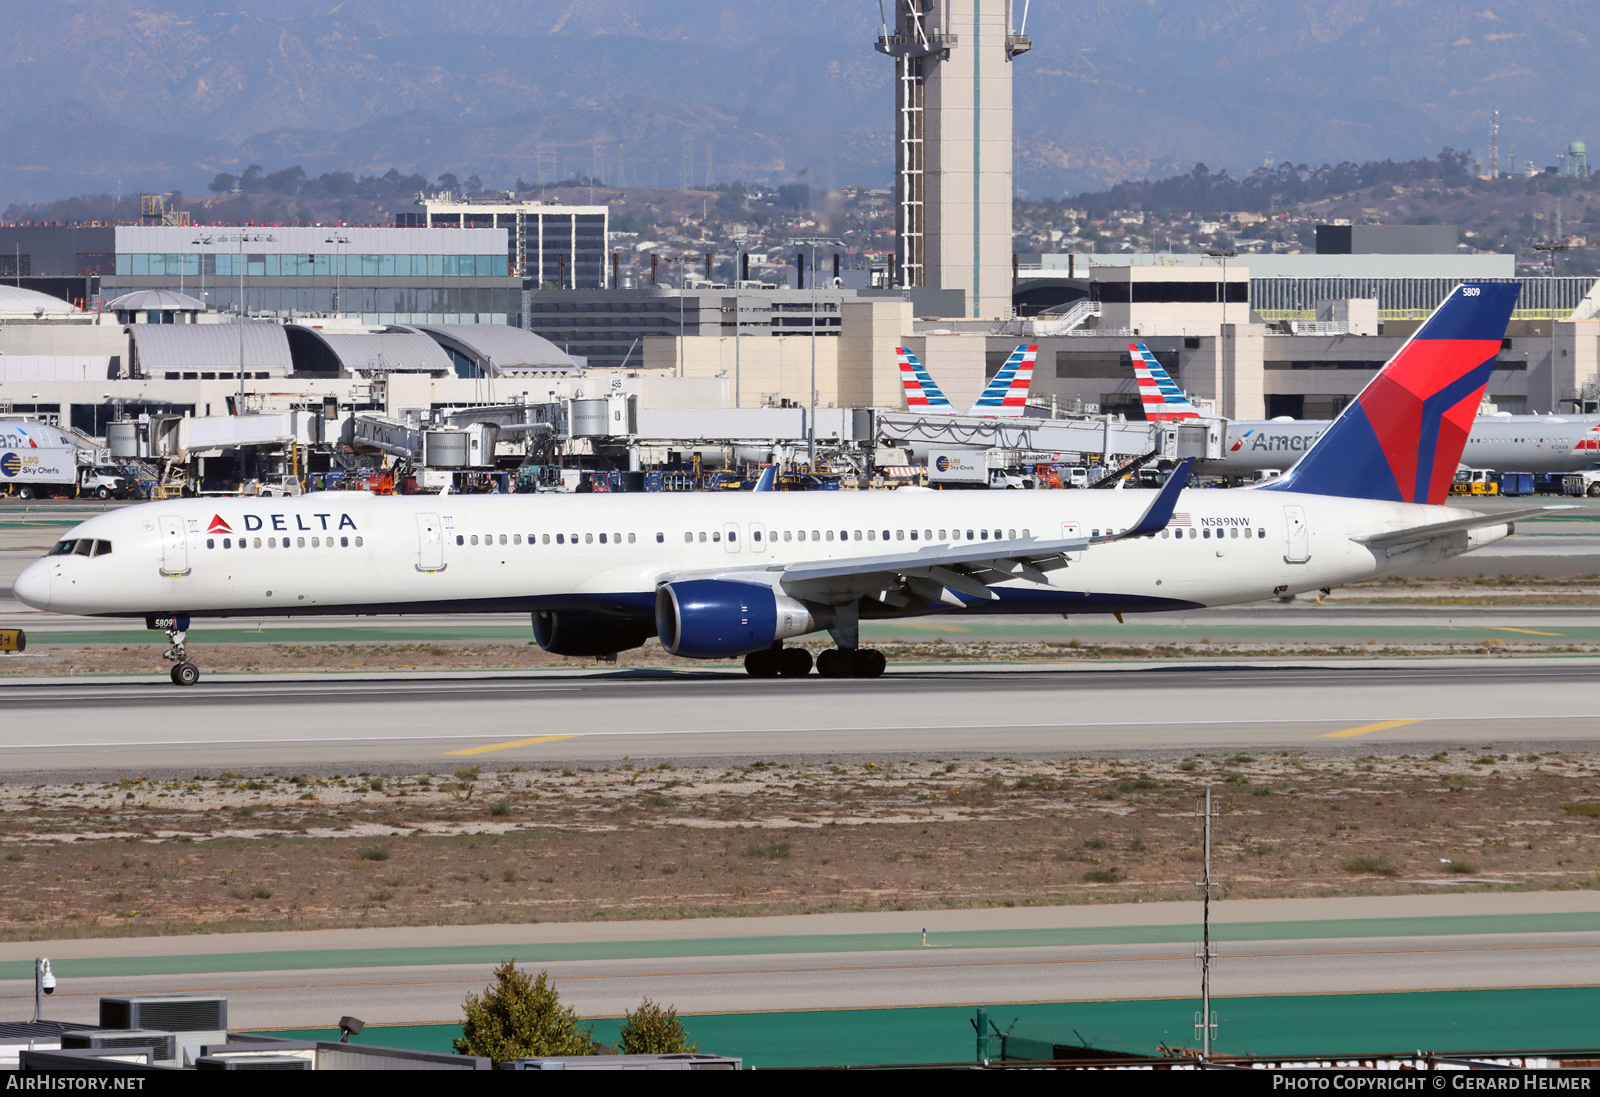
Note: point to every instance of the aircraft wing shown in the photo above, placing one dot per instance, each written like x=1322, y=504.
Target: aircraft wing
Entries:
x=1437, y=529
x=940, y=572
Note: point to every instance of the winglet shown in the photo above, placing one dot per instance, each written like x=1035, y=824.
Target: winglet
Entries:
x=1160, y=510
x=768, y=480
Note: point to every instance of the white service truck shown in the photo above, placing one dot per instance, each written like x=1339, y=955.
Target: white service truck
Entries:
x=1586, y=482
x=40, y=472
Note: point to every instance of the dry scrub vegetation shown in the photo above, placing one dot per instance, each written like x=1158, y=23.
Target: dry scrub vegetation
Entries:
x=247, y=851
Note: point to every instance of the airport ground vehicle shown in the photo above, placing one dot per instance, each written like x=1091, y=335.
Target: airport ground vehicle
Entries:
x=43, y=472
x=1586, y=482
x=1475, y=482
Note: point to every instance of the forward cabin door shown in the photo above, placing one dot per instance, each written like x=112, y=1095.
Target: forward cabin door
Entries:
x=174, y=546
x=430, y=543
x=1298, y=550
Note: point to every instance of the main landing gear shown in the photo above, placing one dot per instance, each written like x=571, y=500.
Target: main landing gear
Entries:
x=848, y=660
x=184, y=673
x=833, y=663
x=776, y=660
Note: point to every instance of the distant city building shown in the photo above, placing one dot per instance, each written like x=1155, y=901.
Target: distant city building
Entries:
x=550, y=245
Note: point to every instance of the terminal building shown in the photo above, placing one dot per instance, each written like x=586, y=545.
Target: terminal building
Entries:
x=559, y=246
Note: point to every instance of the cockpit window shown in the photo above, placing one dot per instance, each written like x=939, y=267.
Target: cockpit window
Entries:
x=86, y=546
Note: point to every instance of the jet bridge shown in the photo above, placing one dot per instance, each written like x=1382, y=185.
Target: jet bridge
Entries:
x=1106, y=435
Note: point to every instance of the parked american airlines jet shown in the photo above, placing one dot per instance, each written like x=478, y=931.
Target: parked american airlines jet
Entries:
x=1006, y=394
x=728, y=575
x=1509, y=443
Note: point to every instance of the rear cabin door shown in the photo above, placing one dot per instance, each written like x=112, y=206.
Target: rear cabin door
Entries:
x=430, y=543
x=174, y=546
x=1298, y=549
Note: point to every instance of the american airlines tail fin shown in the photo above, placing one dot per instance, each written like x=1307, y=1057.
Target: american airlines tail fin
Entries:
x=1164, y=401
x=1007, y=392
x=921, y=393
x=1402, y=437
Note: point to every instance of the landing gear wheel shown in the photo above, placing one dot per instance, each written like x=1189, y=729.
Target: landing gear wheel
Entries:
x=761, y=664
x=868, y=663
x=833, y=663
x=794, y=662
x=185, y=674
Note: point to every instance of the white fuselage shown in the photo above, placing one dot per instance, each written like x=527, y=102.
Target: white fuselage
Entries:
x=1505, y=443
x=350, y=552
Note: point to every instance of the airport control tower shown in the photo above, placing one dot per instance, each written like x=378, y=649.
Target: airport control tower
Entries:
x=953, y=144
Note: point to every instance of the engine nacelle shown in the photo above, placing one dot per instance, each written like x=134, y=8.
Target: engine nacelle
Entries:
x=574, y=632
x=718, y=619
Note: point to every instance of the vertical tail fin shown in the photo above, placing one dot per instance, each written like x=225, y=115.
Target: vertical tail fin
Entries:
x=1402, y=437
x=920, y=391
x=1164, y=401
x=1006, y=395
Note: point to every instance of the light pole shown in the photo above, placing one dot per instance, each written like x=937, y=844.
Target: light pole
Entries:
x=241, y=238
x=338, y=241
x=1222, y=336
x=1555, y=248
x=813, y=242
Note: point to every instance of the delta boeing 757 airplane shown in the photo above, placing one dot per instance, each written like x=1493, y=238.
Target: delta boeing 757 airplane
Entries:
x=717, y=576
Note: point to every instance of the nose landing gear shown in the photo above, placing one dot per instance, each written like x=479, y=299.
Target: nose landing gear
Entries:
x=184, y=673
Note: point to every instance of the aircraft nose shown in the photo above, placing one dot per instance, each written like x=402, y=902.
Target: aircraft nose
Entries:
x=32, y=587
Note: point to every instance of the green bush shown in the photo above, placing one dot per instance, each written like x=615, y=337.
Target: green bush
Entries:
x=1367, y=865
x=519, y=1016
x=654, y=1030
x=772, y=851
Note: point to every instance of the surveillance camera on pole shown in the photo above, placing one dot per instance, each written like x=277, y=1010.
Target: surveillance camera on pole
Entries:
x=44, y=982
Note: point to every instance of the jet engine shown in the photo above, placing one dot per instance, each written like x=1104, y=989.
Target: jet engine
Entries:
x=574, y=632
x=718, y=619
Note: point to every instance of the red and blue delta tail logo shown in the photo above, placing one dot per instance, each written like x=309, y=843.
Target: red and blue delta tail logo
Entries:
x=920, y=391
x=219, y=525
x=1402, y=437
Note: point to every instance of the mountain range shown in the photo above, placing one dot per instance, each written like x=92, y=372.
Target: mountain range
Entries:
x=163, y=94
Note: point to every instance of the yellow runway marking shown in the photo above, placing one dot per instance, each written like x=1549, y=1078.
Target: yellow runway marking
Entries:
x=513, y=743
x=1364, y=729
x=1525, y=631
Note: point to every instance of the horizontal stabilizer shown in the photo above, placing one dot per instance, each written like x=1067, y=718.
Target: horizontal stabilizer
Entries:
x=1438, y=529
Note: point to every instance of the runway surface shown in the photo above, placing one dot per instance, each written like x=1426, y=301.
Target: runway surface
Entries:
x=1301, y=954
x=150, y=727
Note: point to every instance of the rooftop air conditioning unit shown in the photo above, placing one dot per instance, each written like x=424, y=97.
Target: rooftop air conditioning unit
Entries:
x=163, y=1045
x=166, y=1012
x=253, y=1062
